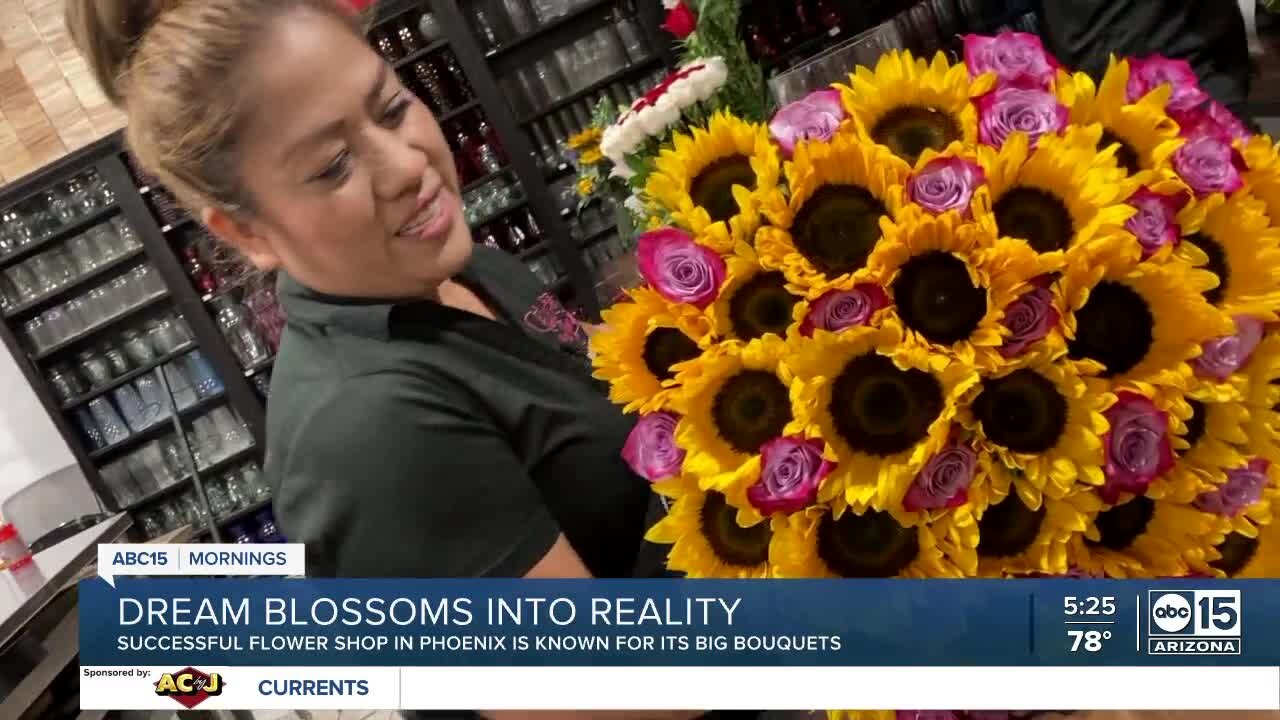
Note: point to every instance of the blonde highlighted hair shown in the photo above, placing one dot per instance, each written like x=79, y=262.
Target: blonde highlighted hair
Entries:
x=182, y=72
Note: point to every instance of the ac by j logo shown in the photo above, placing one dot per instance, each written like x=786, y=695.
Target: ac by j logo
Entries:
x=1194, y=622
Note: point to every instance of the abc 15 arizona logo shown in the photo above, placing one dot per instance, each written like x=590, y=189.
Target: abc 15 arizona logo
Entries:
x=1193, y=622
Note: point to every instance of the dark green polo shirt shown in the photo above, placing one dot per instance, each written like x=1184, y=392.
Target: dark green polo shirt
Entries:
x=410, y=439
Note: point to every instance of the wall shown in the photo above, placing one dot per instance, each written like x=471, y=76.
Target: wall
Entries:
x=49, y=106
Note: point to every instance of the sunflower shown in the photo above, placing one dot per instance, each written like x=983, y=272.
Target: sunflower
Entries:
x=1263, y=159
x=1042, y=423
x=1261, y=393
x=645, y=341
x=706, y=539
x=1055, y=197
x=1250, y=556
x=840, y=193
x=1243, y=253
x=715, y=174
x=754, y=302
x=1145, y=537
x=885, y=410
x=1020, y=536
x=1209, y=433
x=951, y=281
x=1129, y=320
x=589, y=138
x=1134, y=130
x=909, y=105
x=734, y=399
x=860, y=544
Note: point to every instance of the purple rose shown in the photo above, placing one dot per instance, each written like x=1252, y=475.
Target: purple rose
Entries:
x=944, y=481
x=1222, y=357
x=1147, y=74
x=678, y=268
x=651, y=448
x=946, y=184
x=1012, y=56
x=1209, y=164
x=1156, y=223
x=1030, y=319
x=1212, y=118
x=791, y=469
x=1242, y=490
x=839, y=310
x=817, y=116
x=1016, y=107
x=1137, y=446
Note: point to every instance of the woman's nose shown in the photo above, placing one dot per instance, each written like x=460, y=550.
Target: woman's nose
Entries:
x=398, y=167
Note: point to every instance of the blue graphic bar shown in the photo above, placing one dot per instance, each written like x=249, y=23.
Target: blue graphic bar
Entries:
x=405, y=623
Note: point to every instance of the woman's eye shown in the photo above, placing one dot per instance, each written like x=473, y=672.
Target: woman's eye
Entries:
x=396, y=112
x=336, y=169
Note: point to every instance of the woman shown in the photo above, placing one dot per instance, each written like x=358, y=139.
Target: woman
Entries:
x=432, y=412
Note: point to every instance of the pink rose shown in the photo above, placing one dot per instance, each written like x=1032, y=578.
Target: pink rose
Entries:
x=1137, y=446
x=944, y=481
x=651, y=448
x=817, y=116
x=678, y=268
x=839, y=310
x=1222, y=357
x=946, y=184
x=1012, y=56
x=1019, y=107
x=791, y=469
x=1212, y=118
x=1147, y=74
x=1242, y=490
x=1156, y=224
x=1209, y=164
x=1030, y=319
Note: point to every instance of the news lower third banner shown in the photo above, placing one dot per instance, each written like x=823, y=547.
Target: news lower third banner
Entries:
x=636, y=644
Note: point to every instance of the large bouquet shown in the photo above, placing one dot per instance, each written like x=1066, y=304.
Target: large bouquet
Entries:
x=989, y=319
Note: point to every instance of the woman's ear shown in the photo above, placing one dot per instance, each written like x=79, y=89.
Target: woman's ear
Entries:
x=242, y=236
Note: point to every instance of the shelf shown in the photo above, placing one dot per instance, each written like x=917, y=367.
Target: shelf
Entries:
x=560, y=171
x=157, y=429
x=459, y=111
x=100, y=326
x=495, y=215
x=538, y=249
x=225, y=464
x=64, y=232
x=487, y=178
x=417, y=55
x=76, y=284
x=177, y=225
x=170, y=489
x=257, y=368
x=593, y=88
x=128, y=377
x=549, y=28
x=598, y=235
x=238, y=515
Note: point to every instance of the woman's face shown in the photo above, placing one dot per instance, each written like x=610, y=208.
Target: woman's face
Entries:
x=353, y=186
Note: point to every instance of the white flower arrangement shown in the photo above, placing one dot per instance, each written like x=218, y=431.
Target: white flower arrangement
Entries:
x=663, y=107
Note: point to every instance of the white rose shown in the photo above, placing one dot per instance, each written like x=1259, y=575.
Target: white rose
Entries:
x=682, y=94
x=635, y=205
x=632, y=135
x=620, y=170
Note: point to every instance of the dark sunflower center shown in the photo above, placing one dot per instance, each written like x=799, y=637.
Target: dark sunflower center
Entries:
x=881, y=409
x=1035, y=216
x=1126, y=156
x=937, y=298
x=1237, y=550
x=1122, y=524
x=1022, y=411
x=837, y=228
x=1217, y=265
x=666, y=347
x=732, y=543
x=1195, y=424
x=871, y=545
x=1115, y=327
x=761, y=306
x=751, y=408
x=909, y=131
x=712, y=189
x=1008, y=528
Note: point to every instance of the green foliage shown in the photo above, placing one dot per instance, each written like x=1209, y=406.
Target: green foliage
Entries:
x=745, y=93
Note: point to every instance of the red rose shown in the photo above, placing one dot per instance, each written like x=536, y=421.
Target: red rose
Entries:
x=681, y=21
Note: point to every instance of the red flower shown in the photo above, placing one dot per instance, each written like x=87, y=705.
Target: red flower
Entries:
x=681, y=21
x=356, y=6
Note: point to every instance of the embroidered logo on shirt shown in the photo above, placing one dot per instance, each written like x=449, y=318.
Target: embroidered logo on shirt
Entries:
x=549, y=316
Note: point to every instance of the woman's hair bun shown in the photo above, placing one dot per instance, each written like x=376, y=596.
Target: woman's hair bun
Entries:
x=108, y=33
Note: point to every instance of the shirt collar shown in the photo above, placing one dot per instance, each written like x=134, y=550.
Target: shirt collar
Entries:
x=361, y=316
